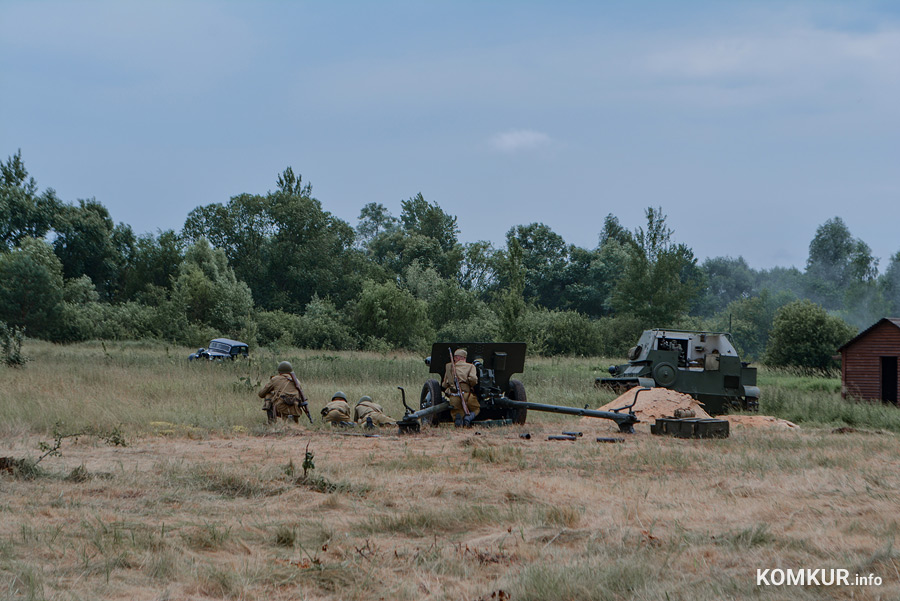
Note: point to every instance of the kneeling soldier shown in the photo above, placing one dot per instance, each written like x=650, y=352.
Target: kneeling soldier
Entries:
x=337, y=412
x=283, y=395
x=370, y=414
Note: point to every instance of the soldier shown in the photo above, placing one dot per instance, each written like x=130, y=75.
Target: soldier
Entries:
x=467, y=377
x=337, y=412
x=283, y=395
x=369, y=413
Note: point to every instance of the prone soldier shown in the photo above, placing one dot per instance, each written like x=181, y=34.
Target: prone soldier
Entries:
x=370, y=414
x=337, y=411
x=460, y=378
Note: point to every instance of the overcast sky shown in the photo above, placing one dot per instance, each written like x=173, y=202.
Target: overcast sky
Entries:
x=749, y=123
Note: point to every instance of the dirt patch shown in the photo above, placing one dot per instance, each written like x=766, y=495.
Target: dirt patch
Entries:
x=654, y=403
x=760, y=421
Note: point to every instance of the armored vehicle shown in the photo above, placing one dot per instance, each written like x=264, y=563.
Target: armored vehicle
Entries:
x=502, y=399
x=704, y=365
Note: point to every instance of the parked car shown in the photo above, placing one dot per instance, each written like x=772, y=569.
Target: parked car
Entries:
x=220, y=349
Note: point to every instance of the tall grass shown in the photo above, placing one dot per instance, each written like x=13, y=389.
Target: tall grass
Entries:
x=150, y=387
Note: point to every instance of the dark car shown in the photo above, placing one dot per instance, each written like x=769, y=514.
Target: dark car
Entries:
x=221, y=348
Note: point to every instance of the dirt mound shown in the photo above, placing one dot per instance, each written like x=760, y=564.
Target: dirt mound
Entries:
x=655, y=403
x=760, y=421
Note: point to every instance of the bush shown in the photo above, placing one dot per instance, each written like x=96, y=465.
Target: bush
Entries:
x=619, y=333
x=805, y=335
x=561, y=333
x=11, y=346
x=324, y=327
x=388, y=313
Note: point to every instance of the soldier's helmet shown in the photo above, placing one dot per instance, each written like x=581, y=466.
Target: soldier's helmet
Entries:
x=364, y=399
x=339, y=395
x=285, y=368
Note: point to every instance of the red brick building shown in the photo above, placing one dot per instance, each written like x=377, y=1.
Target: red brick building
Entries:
x=869, y=362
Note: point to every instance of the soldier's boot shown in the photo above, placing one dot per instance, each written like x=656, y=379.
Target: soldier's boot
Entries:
x=370, y=425
x=296, y=419
x=270, y=415
x=467, y=420
x=458, y=422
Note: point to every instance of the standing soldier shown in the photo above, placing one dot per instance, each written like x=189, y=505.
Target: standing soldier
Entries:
x=337, y=412
x=370, y=414
x=283, y=395
x=461, y=374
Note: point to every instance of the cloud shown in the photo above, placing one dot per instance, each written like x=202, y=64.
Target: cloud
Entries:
x=518, y=140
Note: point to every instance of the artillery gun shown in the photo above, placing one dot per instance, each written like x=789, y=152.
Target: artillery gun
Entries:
x=704, y=365
x=502, y=399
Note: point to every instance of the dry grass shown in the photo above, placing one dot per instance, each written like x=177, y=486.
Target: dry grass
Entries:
x=217, y=507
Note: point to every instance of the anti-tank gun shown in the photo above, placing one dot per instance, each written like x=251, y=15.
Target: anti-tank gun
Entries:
x=502, y=399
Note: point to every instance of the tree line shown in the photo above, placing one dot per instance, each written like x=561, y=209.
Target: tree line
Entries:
x=279, y=269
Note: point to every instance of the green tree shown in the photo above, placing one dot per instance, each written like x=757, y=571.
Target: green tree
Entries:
x=660, y=278
x=805, y=335
x=479, y=267
x=31, y=287
x=838, y=266
x=207, y=293
x=374, y=219
x=727, y=280
x=890, y=285
x=544, y=259
x=283, y=245
x=750, y=320
x=427, y=234
x=153, y=265
x=510, y=303
x=89, y=243
x=389, y=315
x=23, y=212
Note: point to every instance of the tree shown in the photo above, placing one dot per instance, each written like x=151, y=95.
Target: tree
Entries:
x=749, y=320
x=838, y=265
x=154, y=263
x=283, y=245
x=660, y=277
x=510, y=304
x=31, y=287
x=805, y=335
x=387, y=313
x=727, y=280
x=374, y=218
x=88, y=243
x=890, y=285
x=427, y=234
x=206, y=292
x=23, y=212
x=544, y=259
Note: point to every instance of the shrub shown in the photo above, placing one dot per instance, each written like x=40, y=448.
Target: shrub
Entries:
x=389, y=313
x=11, y=346
x=805, y=335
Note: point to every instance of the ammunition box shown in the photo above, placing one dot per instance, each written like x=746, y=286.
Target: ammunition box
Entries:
x=690, y=428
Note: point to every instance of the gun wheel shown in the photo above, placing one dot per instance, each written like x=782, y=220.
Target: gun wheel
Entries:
x=431, y=395
x=517, y=393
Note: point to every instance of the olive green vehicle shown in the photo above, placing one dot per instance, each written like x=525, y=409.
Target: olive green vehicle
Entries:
x=704, y=365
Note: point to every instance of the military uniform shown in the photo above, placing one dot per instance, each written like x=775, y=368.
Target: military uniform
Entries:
x=366, y=408
x=282, y=396
x=468, y=378
x=338, y=410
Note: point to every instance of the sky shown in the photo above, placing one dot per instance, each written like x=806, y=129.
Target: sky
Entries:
x=749, y=123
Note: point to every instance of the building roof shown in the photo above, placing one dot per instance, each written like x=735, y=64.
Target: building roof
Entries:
x=891, y=320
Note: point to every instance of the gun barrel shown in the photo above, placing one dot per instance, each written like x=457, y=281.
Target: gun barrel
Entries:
x=625, y=421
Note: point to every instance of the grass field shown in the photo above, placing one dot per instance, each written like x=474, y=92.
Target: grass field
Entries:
x=207, y=502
